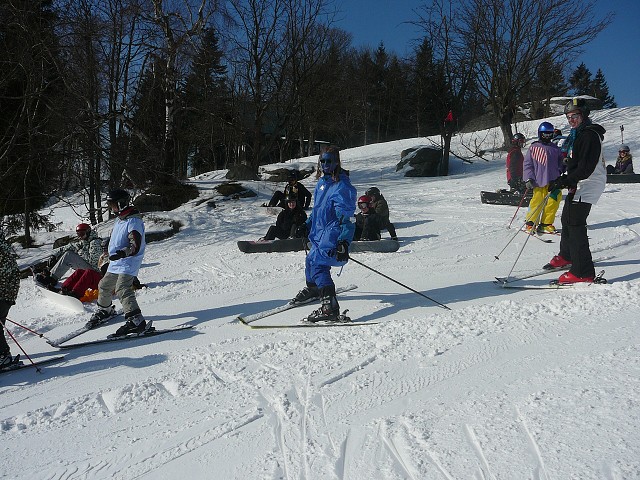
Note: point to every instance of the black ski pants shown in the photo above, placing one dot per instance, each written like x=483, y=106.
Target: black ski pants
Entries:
x=574, y=243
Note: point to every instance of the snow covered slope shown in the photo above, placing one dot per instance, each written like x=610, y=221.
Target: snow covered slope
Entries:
x=507, y=384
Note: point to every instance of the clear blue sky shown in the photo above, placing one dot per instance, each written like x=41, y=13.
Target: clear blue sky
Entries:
x=614, y=51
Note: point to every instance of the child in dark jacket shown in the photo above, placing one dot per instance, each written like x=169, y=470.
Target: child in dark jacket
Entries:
x=368, y=222
x=288, y=220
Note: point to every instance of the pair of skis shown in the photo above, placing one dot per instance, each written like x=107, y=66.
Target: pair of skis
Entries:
x=61, y=342
x=247, y=320
x=507, y=282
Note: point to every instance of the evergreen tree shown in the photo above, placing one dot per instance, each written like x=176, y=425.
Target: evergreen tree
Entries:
x=580, y=80
x=205, y=107
x=600, y=90
x=31, y=96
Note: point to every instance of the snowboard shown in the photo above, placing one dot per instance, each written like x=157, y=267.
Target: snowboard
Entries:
x=385, y=245
x=623, y=178
x=505, y=197
x=65, y=301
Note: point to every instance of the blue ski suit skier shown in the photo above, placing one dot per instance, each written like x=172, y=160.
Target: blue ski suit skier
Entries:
x=126, y=251
x=330, y=231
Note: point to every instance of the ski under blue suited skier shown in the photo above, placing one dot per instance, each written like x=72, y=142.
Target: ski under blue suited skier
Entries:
x=330, y=231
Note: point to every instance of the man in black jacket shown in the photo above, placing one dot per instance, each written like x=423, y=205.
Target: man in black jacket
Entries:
x=585, y=178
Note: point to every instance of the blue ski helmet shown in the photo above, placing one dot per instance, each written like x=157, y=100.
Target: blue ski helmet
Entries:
x=546, y=132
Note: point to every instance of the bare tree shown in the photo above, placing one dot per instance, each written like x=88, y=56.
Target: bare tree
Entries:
x=452, y=80
x=272, y=53
x=514, y=38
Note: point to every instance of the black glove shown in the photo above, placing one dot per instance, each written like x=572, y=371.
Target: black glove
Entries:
x=301, y=231
x=530, y=184
x=118, y=255
x=52, y=261
x=558, y=184
x=342, y=251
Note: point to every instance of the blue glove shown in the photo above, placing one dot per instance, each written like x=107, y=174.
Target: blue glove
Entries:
x=342, y=251
x=118, y=255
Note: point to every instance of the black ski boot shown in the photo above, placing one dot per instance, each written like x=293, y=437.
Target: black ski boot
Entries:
x=308, y=293
x=7, y=360
x=329, y=311
x=46, y=280
x=135, y=324
x=101, y=316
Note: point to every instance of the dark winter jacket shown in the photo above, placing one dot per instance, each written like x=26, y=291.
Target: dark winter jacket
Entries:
x=89, y=249
x=9, y=273
x=381, y=207
x=288, y=220
x=624, y=164
x=515, y=160
x=298, y=189
x=368, y=226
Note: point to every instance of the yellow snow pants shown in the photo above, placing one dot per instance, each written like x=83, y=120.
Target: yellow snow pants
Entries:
x=550, y=209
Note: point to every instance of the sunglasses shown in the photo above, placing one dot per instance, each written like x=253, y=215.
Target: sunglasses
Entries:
x=327, y=158
x=363, y=205
x=623, y=151
x=573, y=116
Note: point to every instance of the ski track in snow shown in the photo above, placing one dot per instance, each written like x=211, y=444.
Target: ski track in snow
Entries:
x=518, y=384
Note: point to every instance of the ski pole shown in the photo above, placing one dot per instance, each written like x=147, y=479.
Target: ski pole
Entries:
x=542, y=204
x=519, y=205
x=41, y=335
x=25, y=353
x=539, y=209
x=401, y=284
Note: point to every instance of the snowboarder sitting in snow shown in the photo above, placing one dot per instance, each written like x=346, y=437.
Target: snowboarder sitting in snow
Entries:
x=330, y=232
x=9, y=286
x=543, y=163
x=368, y=222
x=294, y=187
x=624, y=162
x=81, y=254
x=288, y=220
x=380, y=205
x=126, y=251
x=84, y=279
x=515, y=161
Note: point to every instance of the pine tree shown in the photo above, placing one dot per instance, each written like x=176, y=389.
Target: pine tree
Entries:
x=206, y=100
x=600, y=90
x=580, y=80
